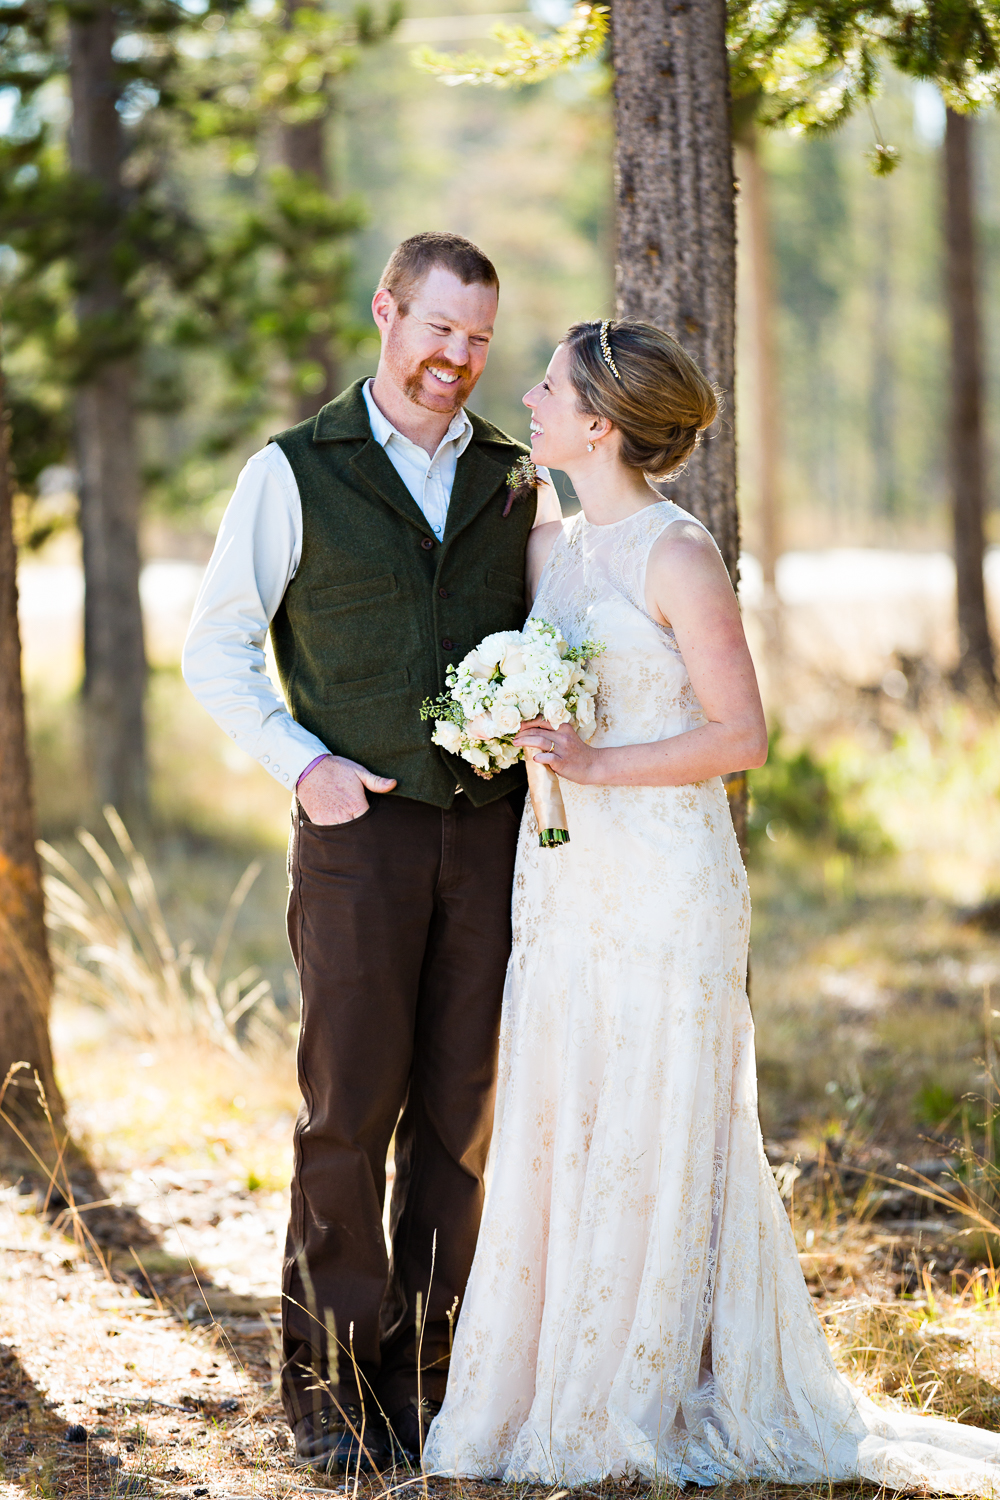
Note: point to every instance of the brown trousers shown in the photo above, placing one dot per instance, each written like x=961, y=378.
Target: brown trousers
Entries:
x=399, y=925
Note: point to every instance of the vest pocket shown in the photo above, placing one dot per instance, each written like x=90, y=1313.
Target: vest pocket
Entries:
x=337, y=595
x=367, y=687
x=505, y=583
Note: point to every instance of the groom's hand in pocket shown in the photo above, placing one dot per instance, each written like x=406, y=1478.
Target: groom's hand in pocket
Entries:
x=334, y=791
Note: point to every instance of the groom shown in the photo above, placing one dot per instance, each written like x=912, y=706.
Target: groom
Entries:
x=372, y=541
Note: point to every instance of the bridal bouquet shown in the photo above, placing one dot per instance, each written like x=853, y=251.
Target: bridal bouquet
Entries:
x=511, y=676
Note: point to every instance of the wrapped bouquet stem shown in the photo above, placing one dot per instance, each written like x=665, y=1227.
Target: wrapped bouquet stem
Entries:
x=546, y=801
x=512, y=676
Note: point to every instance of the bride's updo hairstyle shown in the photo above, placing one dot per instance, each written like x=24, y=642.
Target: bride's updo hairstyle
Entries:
x=651, y=390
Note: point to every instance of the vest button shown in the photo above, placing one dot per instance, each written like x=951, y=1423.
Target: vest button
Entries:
x=448, y=644
x=443, y=594
x=427, y=544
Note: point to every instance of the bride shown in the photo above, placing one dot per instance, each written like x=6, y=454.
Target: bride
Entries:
x=636, y=1302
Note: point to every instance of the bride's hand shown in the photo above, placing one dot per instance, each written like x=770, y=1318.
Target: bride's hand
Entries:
x=571, y=757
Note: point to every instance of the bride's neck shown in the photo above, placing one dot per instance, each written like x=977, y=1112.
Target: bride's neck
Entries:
x=608, y=490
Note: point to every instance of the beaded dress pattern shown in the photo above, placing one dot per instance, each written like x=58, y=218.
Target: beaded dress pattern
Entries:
x=636, y=1302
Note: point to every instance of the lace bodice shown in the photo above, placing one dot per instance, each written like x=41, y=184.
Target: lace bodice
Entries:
x=593, y=586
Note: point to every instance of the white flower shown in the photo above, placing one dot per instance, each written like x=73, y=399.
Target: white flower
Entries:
x=475, y=665
x=512, y=661
x=447, y=735
x=556, y=712
x=493, y=648
x=481, y=727
x=507, y=755
x=584, y=711
x=506, y=717
x=477, y=758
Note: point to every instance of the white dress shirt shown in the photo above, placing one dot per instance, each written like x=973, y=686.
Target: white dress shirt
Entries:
x=256, y=556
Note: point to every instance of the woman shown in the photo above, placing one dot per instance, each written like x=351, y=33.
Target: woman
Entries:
x=636, y=1302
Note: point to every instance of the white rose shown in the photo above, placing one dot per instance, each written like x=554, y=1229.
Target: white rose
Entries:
x=494, y=646
x=507, y=755
x=556, y=712
x=481, y=727
x=584, y=711
x=506, y=717
x=512, y=661
x=447, y=735
x=476, y=665
x=477, y=758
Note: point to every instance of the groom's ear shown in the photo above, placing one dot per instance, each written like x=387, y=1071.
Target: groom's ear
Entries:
x=385, y=309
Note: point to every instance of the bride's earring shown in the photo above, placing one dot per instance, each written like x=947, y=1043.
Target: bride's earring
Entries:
x=590, y=447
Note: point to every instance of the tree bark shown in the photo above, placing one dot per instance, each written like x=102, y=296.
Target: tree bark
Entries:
x=114, y=652
x=25, y=971
x=676, y=223
x=303, y=151
x=966, y=447
x=676, y=228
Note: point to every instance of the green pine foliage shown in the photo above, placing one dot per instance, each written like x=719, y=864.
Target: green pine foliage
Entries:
x=216, y=251
x=803, y=65
x=525, y=58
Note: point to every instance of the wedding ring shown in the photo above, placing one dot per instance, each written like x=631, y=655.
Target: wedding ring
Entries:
x=552, y=747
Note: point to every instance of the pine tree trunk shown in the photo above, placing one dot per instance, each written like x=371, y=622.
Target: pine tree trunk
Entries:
x=303, y=151
x=676, y=228
x=966, y=449
x=676, y=224
x=25, y=972
x=114, y=653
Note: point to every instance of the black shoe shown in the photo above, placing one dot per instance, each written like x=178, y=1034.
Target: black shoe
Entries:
x=409, y=1428
x=333, y=1439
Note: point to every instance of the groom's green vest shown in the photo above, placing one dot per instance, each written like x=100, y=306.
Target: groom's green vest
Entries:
x=379, y=608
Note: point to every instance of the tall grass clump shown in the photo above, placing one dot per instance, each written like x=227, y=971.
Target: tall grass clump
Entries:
x=112, y=950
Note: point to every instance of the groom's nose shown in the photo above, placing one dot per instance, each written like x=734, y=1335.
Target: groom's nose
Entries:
x=457, y=349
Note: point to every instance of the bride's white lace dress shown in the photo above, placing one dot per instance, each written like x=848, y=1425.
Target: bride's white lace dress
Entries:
x=636, y=1302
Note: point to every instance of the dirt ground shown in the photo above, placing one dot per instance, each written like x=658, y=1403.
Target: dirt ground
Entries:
x=154, y=1377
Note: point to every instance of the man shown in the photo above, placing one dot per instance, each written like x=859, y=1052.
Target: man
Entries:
x=373, y=541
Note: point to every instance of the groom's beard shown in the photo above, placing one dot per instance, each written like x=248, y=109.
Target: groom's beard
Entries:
x=451, y=398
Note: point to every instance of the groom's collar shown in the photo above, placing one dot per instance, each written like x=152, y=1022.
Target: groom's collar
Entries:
x=346, y=418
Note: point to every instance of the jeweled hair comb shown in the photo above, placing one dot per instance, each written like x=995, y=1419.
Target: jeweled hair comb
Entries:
x=606, y=349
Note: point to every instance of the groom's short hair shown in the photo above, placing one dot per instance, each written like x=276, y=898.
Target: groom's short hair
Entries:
x=410, y=262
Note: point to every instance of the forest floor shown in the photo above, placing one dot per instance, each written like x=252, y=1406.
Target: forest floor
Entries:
x=154, y=1374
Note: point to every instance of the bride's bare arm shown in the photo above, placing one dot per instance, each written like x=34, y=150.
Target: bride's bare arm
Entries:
x=687, y=587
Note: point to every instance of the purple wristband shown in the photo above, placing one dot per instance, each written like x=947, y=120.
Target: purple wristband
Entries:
x=312, y=766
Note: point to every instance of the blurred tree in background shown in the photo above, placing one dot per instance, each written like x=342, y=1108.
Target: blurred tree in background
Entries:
x=138, y=235
x=806, y=66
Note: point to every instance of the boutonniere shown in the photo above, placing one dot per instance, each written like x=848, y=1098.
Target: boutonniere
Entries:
x=522, y=482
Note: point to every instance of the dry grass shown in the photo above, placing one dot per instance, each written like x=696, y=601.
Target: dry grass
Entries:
x=112, y=951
